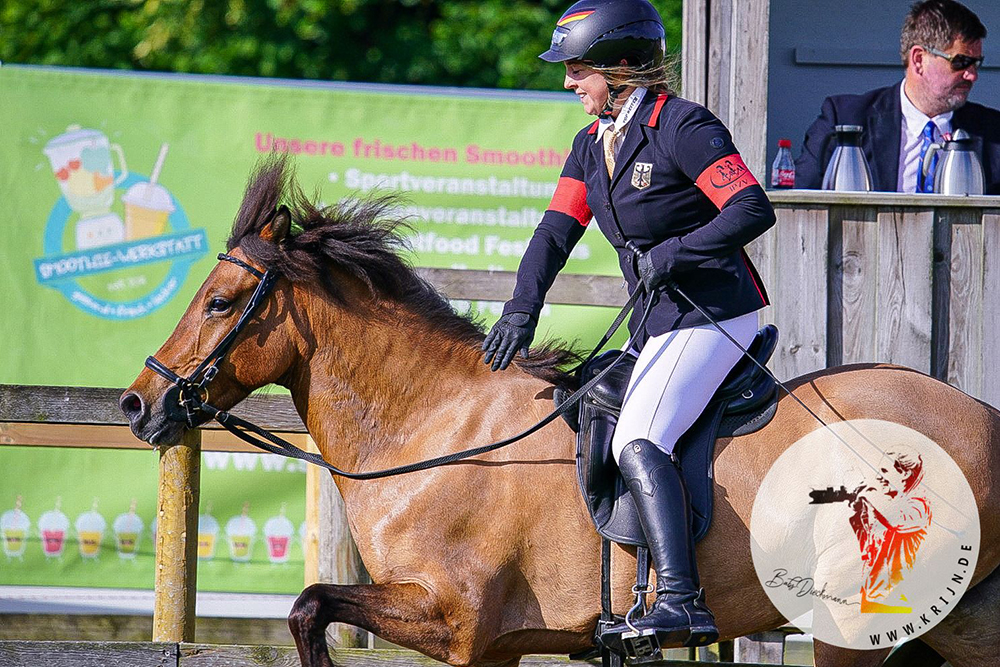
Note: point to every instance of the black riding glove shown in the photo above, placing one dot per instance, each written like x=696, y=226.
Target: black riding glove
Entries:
x=511, y=333
x=650, y=275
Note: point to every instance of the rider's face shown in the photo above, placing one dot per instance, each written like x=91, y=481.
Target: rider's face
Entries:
x=588, y=85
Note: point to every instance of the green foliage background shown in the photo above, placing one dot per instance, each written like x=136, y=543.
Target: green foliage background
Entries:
x=481, y=43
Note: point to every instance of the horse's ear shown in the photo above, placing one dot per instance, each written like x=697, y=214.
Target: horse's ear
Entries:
x=277, y=227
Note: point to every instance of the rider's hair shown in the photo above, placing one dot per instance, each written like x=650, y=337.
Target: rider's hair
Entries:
x=657, y=79
x=938, y=23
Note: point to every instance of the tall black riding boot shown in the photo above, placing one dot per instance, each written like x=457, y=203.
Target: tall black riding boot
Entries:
x=679, y=616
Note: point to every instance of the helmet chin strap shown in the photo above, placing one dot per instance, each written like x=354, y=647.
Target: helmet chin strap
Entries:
x=613, y=93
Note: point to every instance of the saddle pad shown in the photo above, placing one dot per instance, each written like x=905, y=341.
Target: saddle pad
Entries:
x=696, y=450
x=744, y=403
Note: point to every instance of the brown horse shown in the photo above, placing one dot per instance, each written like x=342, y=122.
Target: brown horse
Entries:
x=482, y=561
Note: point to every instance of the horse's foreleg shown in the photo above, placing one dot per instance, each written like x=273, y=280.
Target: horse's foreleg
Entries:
x=405, y=614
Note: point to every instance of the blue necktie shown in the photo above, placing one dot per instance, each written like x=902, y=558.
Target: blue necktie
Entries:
x=926, y=184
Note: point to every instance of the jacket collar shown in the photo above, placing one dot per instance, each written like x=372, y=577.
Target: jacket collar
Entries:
x=654, y=104
x=648, y=115
x=883, y=126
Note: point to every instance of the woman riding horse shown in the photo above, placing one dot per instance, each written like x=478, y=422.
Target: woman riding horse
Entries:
x=671, y=193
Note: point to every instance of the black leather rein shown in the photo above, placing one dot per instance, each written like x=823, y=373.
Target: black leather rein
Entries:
x=190, y=391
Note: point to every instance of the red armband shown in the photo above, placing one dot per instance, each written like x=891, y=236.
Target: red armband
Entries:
x=724, y=178
x=570, y=198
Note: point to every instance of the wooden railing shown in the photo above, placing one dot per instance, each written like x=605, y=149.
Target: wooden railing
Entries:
x=884, y=277
x=180, y=654
x=89, y=417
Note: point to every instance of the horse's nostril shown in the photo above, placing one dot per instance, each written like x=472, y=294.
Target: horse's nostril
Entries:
x=131, y=405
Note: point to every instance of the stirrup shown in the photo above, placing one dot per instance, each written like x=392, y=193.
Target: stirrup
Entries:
x=641, y=646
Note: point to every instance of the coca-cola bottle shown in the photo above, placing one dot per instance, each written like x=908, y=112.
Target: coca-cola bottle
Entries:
x=783, y=169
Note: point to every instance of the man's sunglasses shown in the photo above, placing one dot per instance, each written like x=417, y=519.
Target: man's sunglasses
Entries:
x=959, y=61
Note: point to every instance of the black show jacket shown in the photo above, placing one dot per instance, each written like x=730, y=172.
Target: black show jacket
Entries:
x=681, y=192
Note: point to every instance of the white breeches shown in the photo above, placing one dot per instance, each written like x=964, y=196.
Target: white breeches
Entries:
x=675, y=376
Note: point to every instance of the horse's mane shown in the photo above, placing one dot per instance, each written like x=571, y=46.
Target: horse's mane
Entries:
x=363, y=237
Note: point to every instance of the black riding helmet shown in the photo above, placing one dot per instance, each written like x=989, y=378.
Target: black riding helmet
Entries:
x=605, y=32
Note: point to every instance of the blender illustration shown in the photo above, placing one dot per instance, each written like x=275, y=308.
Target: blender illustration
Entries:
x=148, y=204
x=208, y=532
x=278, y=531
x=53, y=526
x=14, y=526
x=240, y=531
x=128, y=530
x=90, y=531
x=81, y=163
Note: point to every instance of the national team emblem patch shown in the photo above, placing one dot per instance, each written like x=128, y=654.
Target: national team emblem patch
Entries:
x=641, y=175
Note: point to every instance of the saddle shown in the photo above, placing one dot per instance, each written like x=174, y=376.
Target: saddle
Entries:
x=745, y=402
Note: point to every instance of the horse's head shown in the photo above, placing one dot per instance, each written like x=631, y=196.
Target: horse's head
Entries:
x=231, y=340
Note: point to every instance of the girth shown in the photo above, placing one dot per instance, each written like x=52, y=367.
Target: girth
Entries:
x=745, y=402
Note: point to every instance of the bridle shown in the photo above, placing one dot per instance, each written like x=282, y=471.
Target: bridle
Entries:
x=191, y=393
x=189, y=390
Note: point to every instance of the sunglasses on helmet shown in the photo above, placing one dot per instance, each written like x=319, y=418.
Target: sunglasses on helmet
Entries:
x=959, y=61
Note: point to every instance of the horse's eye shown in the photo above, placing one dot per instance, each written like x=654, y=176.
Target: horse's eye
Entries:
x=218, y=305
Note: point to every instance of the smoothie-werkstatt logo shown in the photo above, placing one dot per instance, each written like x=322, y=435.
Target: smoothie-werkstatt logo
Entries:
x=117, y=244
x=870, y=527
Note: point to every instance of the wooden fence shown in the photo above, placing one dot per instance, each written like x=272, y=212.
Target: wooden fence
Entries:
x=177, y=654
x=905, y=279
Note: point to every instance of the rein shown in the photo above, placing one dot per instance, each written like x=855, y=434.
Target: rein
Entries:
x=192, y=392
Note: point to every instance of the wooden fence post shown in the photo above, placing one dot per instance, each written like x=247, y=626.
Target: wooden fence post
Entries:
x=339, y=561
x=177, y=540
x=761, y=647
x=310, y=543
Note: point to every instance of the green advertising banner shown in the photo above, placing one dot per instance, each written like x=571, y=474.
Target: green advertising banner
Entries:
x=118, y=192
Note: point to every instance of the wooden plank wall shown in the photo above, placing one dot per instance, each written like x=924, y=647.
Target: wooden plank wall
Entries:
x=911, y=285
x=724, y=57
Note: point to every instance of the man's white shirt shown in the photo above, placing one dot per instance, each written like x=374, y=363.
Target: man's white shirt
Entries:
x=911, y=138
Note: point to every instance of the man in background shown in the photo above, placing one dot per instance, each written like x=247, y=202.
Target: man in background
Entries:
x=941, y=48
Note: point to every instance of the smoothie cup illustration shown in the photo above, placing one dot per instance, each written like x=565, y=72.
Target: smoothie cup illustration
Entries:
x=148, y=205
x=128, y=531
x=278, y=531
x=208, y=533
x=90, y=531
x=240, y=531
x=53, y=526
x=14, y=526
x=81, y=163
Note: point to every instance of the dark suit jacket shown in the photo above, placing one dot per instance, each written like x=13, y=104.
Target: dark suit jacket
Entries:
x=879, y=112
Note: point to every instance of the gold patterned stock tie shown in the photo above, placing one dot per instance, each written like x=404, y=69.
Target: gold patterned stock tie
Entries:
x=610, y=134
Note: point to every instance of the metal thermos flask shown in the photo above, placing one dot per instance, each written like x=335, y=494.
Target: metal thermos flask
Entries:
x=848, y=169
x=958, y=170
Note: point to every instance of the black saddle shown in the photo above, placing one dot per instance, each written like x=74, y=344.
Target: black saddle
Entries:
x=745, y=402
